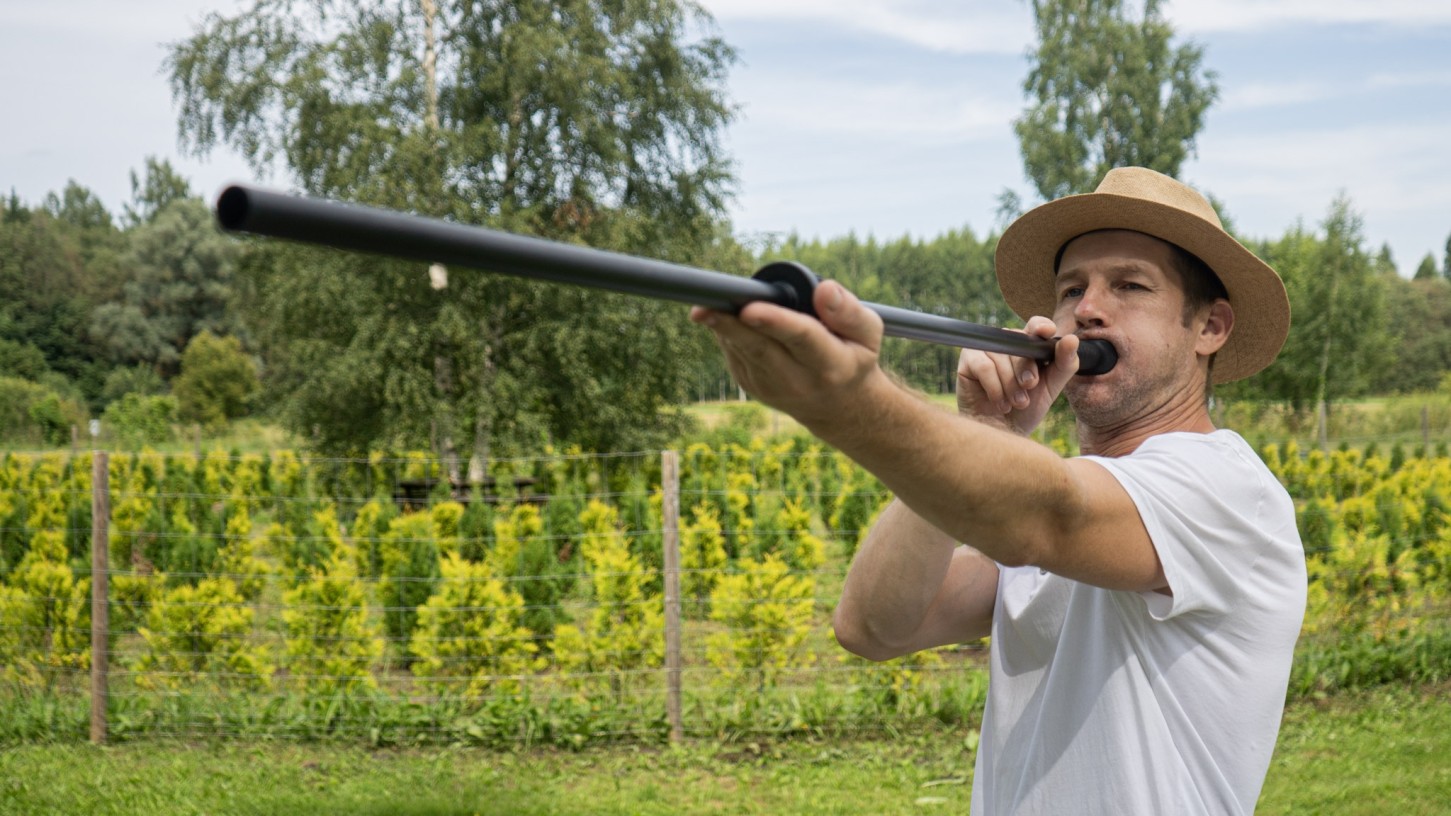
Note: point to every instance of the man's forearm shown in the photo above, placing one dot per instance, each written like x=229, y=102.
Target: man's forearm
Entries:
x=892, y=582
x=977, y=484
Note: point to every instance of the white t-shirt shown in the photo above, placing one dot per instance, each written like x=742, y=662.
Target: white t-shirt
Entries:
x=1112, y=702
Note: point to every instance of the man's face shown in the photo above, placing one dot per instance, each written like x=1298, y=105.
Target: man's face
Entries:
x=1121, y=286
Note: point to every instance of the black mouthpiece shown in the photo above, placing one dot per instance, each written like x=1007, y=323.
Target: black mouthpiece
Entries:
x=1096, y=357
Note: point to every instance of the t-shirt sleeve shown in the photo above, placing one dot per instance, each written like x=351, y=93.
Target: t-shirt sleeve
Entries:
x=1203, y=504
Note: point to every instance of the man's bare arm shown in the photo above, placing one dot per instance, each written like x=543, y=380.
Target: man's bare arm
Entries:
x=911, y=587
x=1010, y=498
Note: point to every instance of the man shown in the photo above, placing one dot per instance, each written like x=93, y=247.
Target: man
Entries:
x=1143, y=598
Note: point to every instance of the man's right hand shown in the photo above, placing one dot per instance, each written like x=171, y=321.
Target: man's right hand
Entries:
x=1012, y=392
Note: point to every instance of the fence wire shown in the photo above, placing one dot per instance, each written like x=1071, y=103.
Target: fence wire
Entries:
x=380, y=600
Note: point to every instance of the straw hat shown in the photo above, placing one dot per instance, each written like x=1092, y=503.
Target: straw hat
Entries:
x=1142, y=200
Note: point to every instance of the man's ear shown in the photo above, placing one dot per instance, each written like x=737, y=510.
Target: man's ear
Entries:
x=1217, y=326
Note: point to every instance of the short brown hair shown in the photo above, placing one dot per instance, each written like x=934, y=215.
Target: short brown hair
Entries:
x=1201, y=286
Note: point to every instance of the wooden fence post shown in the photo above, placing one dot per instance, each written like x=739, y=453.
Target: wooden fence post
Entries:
x=670, y=535
x=100, y=609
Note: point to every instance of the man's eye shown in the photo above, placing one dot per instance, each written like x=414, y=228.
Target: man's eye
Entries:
x=1071, y=292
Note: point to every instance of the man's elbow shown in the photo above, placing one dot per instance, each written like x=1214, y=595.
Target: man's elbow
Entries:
x=857, y=636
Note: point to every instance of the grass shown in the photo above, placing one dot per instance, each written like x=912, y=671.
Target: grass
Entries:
x=1375, y=752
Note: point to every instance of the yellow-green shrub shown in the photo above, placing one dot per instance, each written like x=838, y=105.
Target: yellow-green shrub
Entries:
x=768, y=614
x=332, y=641
x=469, y=634
x=625, y=630
x=702, y=557
x=409, y=571
x=201, y=635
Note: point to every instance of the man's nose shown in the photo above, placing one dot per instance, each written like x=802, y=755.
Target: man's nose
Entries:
x=1089, y=310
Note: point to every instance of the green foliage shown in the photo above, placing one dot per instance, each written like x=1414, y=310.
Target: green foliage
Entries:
x=702, y=558
x=858, y=499
x=371, y=522
x=207, y=610
x=50, y=416
x=1378, y=548
x=1427, y=269
x=951, y=275
x=135, y=419
x=1420, y=333
x=180, y=285
x=22, y=360
x=470, y=632
x=625, y=630
x=408, y=571
x=1108, y=91
x=768, y=612
x=160, y=188
x=46, y=608
x=57, y=264
x=218, y=380
x=332, y=641
x=574, y=122
x=198, y=636
x=1339, y=341
x=35, y=414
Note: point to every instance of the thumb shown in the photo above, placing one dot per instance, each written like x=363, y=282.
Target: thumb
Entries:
x=845, y=315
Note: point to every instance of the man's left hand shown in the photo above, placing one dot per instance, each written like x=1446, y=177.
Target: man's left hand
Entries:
x=809, y=368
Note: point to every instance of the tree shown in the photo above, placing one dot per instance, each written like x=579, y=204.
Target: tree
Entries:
x=1338, y=340
x=1420, y=334
x=180, y=284
x=1108, y=91
x=1427, y=269
x=79, y=207
x=596, y=123
x=1446, y=267
x=218, y=380
x=56, y=264
x=161, y=187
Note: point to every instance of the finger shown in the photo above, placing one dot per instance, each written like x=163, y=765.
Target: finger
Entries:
x=803, y=338
x=1008, y=375
x=975, y=369
x=1026, y=369
x=843, y=313
x=1065, y=363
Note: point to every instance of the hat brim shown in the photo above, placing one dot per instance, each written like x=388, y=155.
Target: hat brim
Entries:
x=1028, y=248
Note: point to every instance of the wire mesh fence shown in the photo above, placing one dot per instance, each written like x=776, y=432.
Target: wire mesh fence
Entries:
x=564, y=599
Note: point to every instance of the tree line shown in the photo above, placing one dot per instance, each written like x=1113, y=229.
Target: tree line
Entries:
x=598, y=124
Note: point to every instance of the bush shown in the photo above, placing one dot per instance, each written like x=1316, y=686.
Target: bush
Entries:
x=136, y=420
x=218, y=380
x=198, y=635
x=31, y=413
x=141, y=379
x=23, y=360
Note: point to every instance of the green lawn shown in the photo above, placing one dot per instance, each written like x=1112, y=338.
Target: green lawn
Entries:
x=1382, y=752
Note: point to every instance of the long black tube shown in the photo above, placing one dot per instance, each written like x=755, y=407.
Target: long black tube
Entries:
x=384, y=232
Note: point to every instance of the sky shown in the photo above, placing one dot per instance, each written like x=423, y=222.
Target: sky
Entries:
x=882, y=118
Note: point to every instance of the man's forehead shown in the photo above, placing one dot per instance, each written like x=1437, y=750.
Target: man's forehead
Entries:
x=1127, y=244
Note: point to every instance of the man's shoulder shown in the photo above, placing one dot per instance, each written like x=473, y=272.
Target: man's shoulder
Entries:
x=1220, y=463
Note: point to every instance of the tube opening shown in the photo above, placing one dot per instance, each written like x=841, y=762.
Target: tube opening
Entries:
x=232, y=207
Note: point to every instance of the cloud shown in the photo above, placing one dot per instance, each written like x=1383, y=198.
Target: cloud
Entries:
x=1202, y=16
x=1259, y=95
x=969, y=27
x=1302, y=166
x=902, y=112
x=1392, y=174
